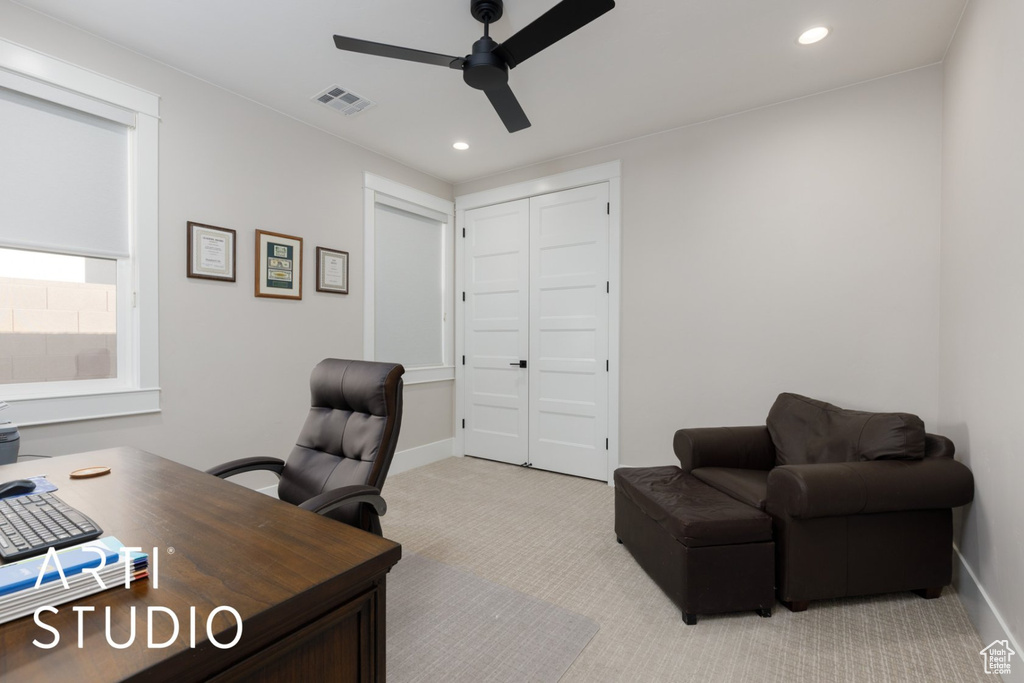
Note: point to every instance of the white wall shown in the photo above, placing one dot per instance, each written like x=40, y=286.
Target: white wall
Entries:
x=982, y=361
x=792, y=248
x=234, y=369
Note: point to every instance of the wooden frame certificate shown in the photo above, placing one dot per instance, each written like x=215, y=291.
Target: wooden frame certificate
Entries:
x=278, y=265
x=331, y=271
x=211, y=252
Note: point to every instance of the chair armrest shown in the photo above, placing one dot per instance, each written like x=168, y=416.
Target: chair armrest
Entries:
x=359, y=493
x=230, y=469
x=851, y=488
x=749, y=448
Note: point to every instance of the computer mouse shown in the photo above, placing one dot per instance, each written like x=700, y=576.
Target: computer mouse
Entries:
x=16, y=487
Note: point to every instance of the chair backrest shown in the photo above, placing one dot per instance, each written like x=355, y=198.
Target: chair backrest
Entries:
x=351, y=431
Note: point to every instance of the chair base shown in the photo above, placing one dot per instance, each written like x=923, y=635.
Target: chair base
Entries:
x=796, y=605
x=691, y=619
x=927, y=593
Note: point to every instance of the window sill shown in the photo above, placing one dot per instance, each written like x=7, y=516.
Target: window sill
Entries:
x=425, y=375
x=28, y=412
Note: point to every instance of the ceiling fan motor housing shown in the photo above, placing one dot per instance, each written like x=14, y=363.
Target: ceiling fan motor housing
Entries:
x=484, y=69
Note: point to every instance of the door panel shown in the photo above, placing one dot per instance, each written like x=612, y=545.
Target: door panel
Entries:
x=568, y=378
x=497, y=332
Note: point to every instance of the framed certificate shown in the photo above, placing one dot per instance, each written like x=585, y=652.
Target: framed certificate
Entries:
x=278, y=265
x=211, y=252
x=331, y=271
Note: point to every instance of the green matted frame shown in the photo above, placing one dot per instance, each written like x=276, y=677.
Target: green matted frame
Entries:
x=278, y=265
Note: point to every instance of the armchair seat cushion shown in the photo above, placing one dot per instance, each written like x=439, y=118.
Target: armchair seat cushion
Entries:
x=746, y=486
x=689, y=510
x=806, y=432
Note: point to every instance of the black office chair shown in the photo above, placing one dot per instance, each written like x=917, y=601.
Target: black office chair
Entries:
x=344, y=450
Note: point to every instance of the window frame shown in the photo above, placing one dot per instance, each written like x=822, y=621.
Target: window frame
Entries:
x=137, y=388
x=411, y=198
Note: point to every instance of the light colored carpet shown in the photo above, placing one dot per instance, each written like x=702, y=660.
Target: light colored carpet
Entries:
x=551, y=536
x=445, y=624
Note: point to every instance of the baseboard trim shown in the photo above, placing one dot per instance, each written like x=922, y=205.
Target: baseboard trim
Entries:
x=411, y=458
x=983, y=613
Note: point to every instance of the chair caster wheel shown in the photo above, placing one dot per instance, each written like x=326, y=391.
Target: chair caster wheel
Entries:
x=689, y=619
x=619, y=540
x=765, y=612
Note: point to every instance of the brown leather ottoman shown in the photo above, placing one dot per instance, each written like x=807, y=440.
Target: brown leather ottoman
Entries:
x=710, y=553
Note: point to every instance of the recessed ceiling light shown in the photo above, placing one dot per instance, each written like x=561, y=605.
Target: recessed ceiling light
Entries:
x=813, y=35
x=461, y=146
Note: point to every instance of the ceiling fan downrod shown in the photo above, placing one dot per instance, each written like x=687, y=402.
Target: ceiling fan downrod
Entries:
x=484, y=69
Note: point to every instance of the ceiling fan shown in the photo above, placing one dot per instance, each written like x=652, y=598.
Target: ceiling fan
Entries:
x=487, y=67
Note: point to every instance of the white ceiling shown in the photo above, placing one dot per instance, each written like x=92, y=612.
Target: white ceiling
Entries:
x=644, y=67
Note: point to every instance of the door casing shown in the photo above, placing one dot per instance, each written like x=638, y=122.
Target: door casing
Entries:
x=608, y=172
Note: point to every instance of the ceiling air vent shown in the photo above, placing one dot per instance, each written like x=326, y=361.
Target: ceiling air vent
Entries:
x=339, y=99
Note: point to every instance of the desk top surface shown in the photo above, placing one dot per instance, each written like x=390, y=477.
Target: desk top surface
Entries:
x=218, y=544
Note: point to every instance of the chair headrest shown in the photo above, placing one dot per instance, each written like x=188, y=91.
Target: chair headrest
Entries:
x=355, y=385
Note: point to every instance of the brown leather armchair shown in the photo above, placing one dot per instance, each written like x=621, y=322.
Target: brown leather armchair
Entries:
x=344, y=450
x=861, y=503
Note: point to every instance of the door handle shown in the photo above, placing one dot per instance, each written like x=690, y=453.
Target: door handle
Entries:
x=521, y=364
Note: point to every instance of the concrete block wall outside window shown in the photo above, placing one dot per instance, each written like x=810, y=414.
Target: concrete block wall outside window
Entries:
x=53, y=331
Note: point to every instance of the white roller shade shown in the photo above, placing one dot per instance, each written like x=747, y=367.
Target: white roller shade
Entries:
x=408, y=288
x=409, y=207
x=64, y=184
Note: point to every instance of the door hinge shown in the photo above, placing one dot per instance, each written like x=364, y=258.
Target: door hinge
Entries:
x=609, y=208
x=463, y=423
x=607, y=287
x=606, y=366
x=606, y=444
x=463, y=360
x=463, y=296
x=463, y=232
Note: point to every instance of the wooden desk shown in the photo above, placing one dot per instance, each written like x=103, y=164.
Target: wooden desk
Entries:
x=310, y=590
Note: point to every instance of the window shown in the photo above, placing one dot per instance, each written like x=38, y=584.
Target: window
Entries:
x=409, y=280
x=78, y=250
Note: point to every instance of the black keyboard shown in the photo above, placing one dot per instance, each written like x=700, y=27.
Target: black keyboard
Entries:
x=31, y=524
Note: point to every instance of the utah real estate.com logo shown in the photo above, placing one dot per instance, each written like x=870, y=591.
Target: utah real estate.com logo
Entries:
x=997, y=657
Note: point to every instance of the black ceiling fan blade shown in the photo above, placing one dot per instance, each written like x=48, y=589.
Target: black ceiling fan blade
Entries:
x=367, y=47
x=505, y=103
x=555, y=24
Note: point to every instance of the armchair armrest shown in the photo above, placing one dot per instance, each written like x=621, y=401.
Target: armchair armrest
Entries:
x=230, y=469
x=749, y=448
x=359, y=493
x=850, y=488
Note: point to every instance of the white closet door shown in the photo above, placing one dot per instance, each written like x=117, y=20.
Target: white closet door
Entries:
x=569, y=331
x=496, y=331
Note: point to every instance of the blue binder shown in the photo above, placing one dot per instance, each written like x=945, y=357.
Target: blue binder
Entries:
x=22, y=574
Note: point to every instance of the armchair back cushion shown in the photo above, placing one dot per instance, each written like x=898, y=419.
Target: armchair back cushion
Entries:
x=350, y=433
x=805, y=432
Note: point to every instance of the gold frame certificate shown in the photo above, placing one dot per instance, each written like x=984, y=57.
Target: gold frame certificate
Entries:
x=331, y=271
